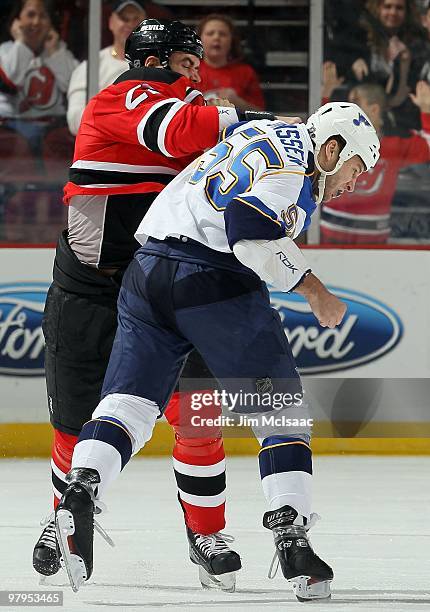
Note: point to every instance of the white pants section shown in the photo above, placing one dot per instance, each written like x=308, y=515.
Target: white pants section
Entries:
x=289, y=489
x=138, y=416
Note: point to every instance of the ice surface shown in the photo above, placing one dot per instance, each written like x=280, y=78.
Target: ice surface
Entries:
x=375, y=532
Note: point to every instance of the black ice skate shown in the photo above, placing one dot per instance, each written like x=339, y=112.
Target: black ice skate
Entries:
x=309, y=575
x=45, y=557
x=46, y=560
x=74, y=519
x=217, y=563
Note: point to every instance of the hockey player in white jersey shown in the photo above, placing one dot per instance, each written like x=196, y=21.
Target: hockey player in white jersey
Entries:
x=213, y=238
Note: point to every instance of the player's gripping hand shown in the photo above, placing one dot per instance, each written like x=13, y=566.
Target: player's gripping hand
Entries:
x=327, y=308
x=219, y=102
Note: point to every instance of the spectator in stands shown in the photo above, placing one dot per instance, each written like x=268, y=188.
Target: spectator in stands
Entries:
x=35, y=69
x=223, y=73
x=344, y=38
x=331, y=81
x=396, y=51
x=364, y=216
x=125, y=16
x=73, y=21
x=425, y=20
x=425, y=17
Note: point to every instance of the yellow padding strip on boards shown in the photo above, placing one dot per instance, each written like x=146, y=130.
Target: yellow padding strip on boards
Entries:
x=35, y=439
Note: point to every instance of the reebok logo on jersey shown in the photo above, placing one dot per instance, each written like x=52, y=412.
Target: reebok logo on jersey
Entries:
x=286, y=262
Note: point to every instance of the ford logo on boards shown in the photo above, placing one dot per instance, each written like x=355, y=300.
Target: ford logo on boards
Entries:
x=369, y=330
x=21, y=337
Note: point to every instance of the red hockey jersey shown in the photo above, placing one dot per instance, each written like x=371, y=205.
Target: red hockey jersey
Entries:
x=363, y=216
x=135, y=137
x=138, y=133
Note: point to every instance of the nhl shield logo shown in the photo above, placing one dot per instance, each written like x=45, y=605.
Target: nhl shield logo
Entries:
x=264, y=385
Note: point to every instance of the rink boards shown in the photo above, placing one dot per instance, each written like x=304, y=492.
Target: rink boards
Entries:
x=369, y=380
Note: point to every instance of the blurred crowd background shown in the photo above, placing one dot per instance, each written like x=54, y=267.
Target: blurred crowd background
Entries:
x=375, y=53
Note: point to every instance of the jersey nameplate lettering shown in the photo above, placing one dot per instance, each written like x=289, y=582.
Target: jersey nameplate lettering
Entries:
x=292, y=143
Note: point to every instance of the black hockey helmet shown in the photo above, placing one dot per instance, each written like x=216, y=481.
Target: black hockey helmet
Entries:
x=160, y=37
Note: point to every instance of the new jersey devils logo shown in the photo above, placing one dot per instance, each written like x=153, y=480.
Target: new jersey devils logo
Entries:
x=40, y=90
x=135, y=96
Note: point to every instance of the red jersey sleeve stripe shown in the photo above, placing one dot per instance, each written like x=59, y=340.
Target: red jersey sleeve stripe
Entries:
x=164, y=125
x=192, y=94
x=192, y=128
x=145, y=133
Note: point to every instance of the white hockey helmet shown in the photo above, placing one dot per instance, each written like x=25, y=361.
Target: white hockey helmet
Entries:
x=349, y=121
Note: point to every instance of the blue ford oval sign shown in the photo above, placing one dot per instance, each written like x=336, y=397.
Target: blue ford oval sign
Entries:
x=21, y=337
x=369, y=330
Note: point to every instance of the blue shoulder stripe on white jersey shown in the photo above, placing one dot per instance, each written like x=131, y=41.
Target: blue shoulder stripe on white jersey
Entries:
x=258, y=205
x=247, y=218
x=228, y=131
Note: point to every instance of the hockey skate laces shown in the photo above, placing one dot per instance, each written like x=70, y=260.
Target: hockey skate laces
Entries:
x=100, y=507
x=103, y=533
x=49, y=518
x=296, y=530
x=214, y=543
x=48, y=537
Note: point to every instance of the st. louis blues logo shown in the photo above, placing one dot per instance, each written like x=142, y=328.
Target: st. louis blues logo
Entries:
x=361, y=119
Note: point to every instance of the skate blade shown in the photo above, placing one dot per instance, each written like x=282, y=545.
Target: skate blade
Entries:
x=224, y=582
x=305, y=589
x=72, y=563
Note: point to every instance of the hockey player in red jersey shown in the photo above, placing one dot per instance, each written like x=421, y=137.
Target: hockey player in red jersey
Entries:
x=363, y=217
x=135, y=136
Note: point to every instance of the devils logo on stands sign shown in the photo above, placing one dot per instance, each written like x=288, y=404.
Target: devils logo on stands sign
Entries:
x=21, y=337
x=40, y=90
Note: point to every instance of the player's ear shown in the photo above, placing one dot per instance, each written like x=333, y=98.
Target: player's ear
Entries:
x=152, y=62
x=330, y=149
x=329, y=154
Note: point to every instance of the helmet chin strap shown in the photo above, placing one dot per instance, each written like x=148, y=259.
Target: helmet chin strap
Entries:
x=321, y=186
x=325, y=173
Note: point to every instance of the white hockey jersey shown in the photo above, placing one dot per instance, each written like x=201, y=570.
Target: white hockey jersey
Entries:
x=254, y=185
x=32, y=87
